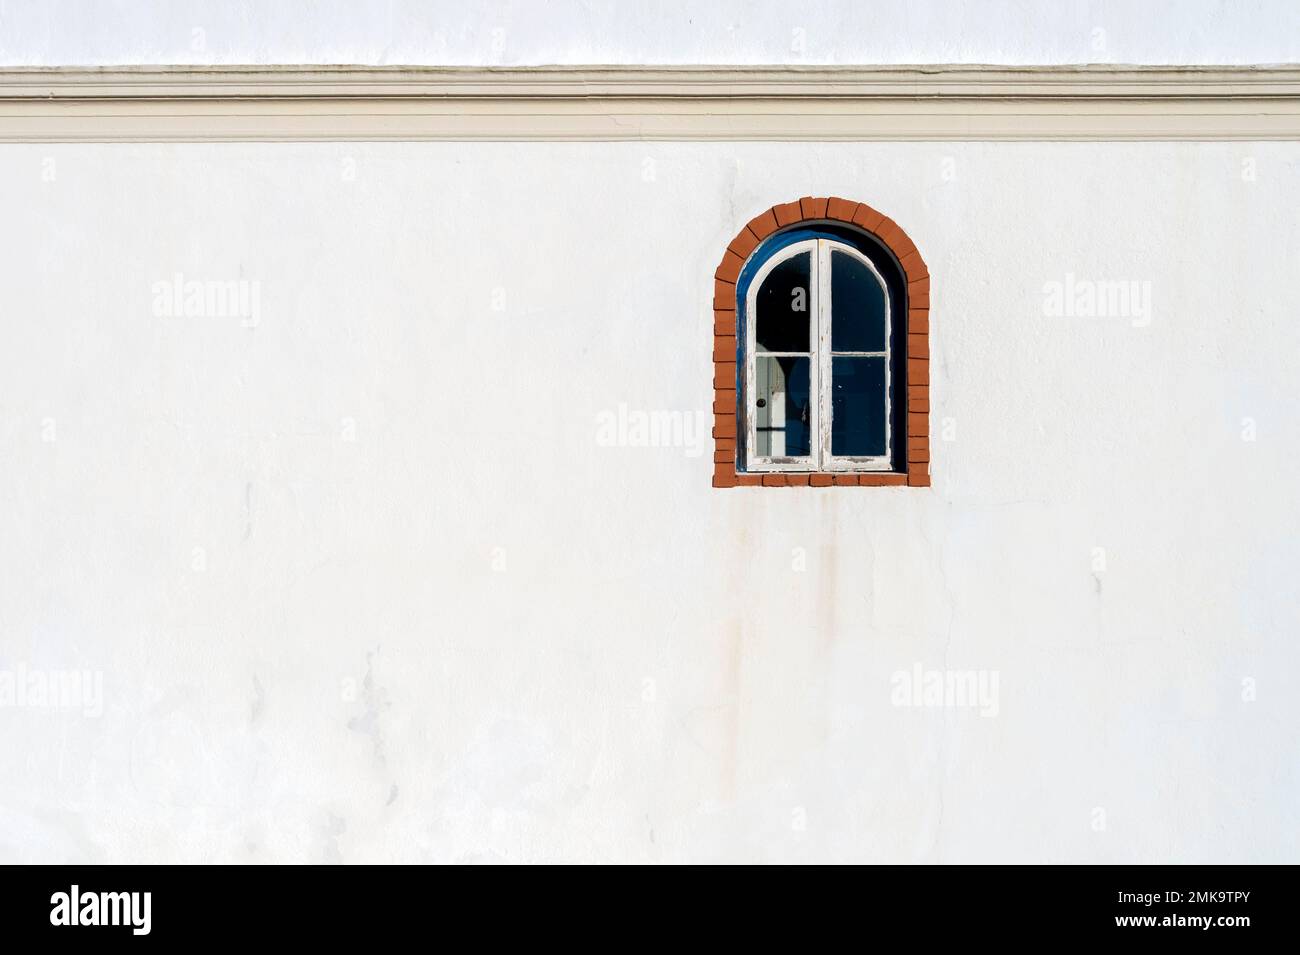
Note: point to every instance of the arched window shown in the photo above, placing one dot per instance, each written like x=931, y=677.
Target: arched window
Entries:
x=829, y=339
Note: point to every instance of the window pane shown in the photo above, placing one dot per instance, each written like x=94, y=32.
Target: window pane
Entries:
x=857, y=306
x=782, y=409
x=782, y=303
x=858, y=406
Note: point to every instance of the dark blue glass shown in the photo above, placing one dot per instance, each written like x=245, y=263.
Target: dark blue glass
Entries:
x=857, y=306
x=782, y=303
x=857, y=406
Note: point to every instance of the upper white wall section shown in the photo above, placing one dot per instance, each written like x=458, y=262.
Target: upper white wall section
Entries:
x=452, y=32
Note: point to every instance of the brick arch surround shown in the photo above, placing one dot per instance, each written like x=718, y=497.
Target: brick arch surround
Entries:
x=811, y=211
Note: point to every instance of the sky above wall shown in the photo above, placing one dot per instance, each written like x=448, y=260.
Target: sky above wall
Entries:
x=454, y=32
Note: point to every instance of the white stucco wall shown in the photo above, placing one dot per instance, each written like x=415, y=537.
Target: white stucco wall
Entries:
x=452, y=32
x=362, y=583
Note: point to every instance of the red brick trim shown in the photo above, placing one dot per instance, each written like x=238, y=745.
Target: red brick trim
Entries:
x=916, y=338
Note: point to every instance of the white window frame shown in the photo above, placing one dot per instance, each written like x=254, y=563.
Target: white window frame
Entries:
x=820, y=317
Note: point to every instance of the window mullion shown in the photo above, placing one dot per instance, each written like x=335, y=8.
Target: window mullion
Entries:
x=823, y=354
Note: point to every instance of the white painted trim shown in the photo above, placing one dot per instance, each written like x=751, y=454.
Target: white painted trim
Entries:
x=753, y=460
x=820, y=329
x=216, y=104
x=829, y=461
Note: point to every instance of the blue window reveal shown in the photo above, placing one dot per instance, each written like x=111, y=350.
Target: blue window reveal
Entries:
x=820, y=370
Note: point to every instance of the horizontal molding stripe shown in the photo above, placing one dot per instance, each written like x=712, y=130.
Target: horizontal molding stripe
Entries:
x=217, y=104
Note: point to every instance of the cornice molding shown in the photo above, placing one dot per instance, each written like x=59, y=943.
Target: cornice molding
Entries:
x=218, y=104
